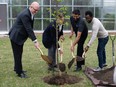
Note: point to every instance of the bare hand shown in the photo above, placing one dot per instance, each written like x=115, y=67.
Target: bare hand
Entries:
x=37, y=45
x=62, y=38
x=60, y=51
x=86, y=48
x=71, y=34
x=72, y=48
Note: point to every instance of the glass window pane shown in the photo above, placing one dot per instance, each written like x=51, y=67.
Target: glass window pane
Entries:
x=83, y=2
x=84, y=9
x=98, y=13
x=46, y=2
x=30, y=1
x=19, y=2
x=46, y=23
x=37, y=24
x=67, y=25
x=16, y=10
x=38, y=14
x=65, y=12
x=63, y=2
x=109, y=12
x=109, y=25
x=46, y=12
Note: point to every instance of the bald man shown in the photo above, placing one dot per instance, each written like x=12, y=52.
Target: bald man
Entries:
x=18, y=34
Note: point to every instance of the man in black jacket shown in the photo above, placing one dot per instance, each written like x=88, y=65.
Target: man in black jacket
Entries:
x=80, y=29
x=20, y=31
x=50, y=39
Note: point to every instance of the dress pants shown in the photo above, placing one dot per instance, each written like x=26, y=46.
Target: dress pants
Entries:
x=80, y=51
x=17, y=53
x=52, y=54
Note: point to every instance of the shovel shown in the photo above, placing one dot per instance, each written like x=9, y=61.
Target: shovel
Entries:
x=45, y=58
x=61, y=65
x=112, y=37
x=74, y=59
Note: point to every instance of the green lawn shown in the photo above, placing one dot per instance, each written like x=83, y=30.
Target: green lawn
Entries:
x=37, y=68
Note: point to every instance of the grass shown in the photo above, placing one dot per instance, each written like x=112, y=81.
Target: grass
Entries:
x=37, y=68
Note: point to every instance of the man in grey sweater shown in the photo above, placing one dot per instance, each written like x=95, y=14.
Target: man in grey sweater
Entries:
x=100, y=32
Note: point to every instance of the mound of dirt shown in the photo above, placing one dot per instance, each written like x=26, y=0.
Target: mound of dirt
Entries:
x=101, y=78
x=61, y=80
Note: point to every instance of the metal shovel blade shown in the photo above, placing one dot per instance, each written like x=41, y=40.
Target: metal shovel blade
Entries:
x=78, y=58
x=62, y=67
x=47, y=59
x=71, y=63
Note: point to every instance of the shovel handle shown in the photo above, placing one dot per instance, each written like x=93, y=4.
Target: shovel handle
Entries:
x=71, y=45
x=83, y=55
x=62, y=50
x=73, y=55
x=112, y=37
x=40, y=51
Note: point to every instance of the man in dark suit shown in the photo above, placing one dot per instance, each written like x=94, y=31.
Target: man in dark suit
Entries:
x=20, y=31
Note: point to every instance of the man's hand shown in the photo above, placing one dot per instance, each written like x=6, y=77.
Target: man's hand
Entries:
x=71, y=34
x=72, y=48
x=86, y=48
x=60, y=51
x=37, y=45
x=62, y=38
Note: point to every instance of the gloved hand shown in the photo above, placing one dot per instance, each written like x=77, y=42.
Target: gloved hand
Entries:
x=86, y=48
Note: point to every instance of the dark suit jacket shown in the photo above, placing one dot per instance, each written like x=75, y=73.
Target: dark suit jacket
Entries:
x=22, y=28
x=49, y=34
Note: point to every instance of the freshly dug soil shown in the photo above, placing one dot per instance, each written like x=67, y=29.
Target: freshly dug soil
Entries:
x=61, y=80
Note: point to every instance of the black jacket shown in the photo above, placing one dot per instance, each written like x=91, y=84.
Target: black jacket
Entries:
x=79, y=25
x=49, y=34
x=22, y=28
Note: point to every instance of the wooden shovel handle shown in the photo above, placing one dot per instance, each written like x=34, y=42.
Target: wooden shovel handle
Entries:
x=71, y=45
x=83, y=55
x=40, y=51
x=62, y=50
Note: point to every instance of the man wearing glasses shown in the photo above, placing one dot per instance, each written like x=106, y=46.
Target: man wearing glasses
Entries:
x=20, y=31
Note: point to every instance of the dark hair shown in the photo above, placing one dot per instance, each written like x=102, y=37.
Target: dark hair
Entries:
x=76, y=12
x=89, y=13
x=60, y=15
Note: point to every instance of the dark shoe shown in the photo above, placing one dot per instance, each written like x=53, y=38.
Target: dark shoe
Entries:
x=22, y=75
x=78, y=69
x=24, y=71
x=50, y=68
x=55, y=66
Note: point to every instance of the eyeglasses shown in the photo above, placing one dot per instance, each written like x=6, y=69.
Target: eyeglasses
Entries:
x=34, y=9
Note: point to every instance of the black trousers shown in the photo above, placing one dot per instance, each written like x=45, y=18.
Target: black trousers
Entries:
x=17, y=53
x=80, y=52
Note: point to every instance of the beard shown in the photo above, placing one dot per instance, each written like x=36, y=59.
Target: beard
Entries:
x=89, y=21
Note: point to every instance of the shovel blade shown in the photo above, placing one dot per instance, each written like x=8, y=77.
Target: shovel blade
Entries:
x=62, y=67
x=78, y=58
x=71, y=63
x=47, y=59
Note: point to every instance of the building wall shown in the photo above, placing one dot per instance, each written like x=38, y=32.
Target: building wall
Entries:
x=105, y=10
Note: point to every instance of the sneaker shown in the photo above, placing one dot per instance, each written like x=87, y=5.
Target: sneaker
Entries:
x=104, y=65
x=97, y=69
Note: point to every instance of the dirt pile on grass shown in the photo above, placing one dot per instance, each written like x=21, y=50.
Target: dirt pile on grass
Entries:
x=61, y=80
